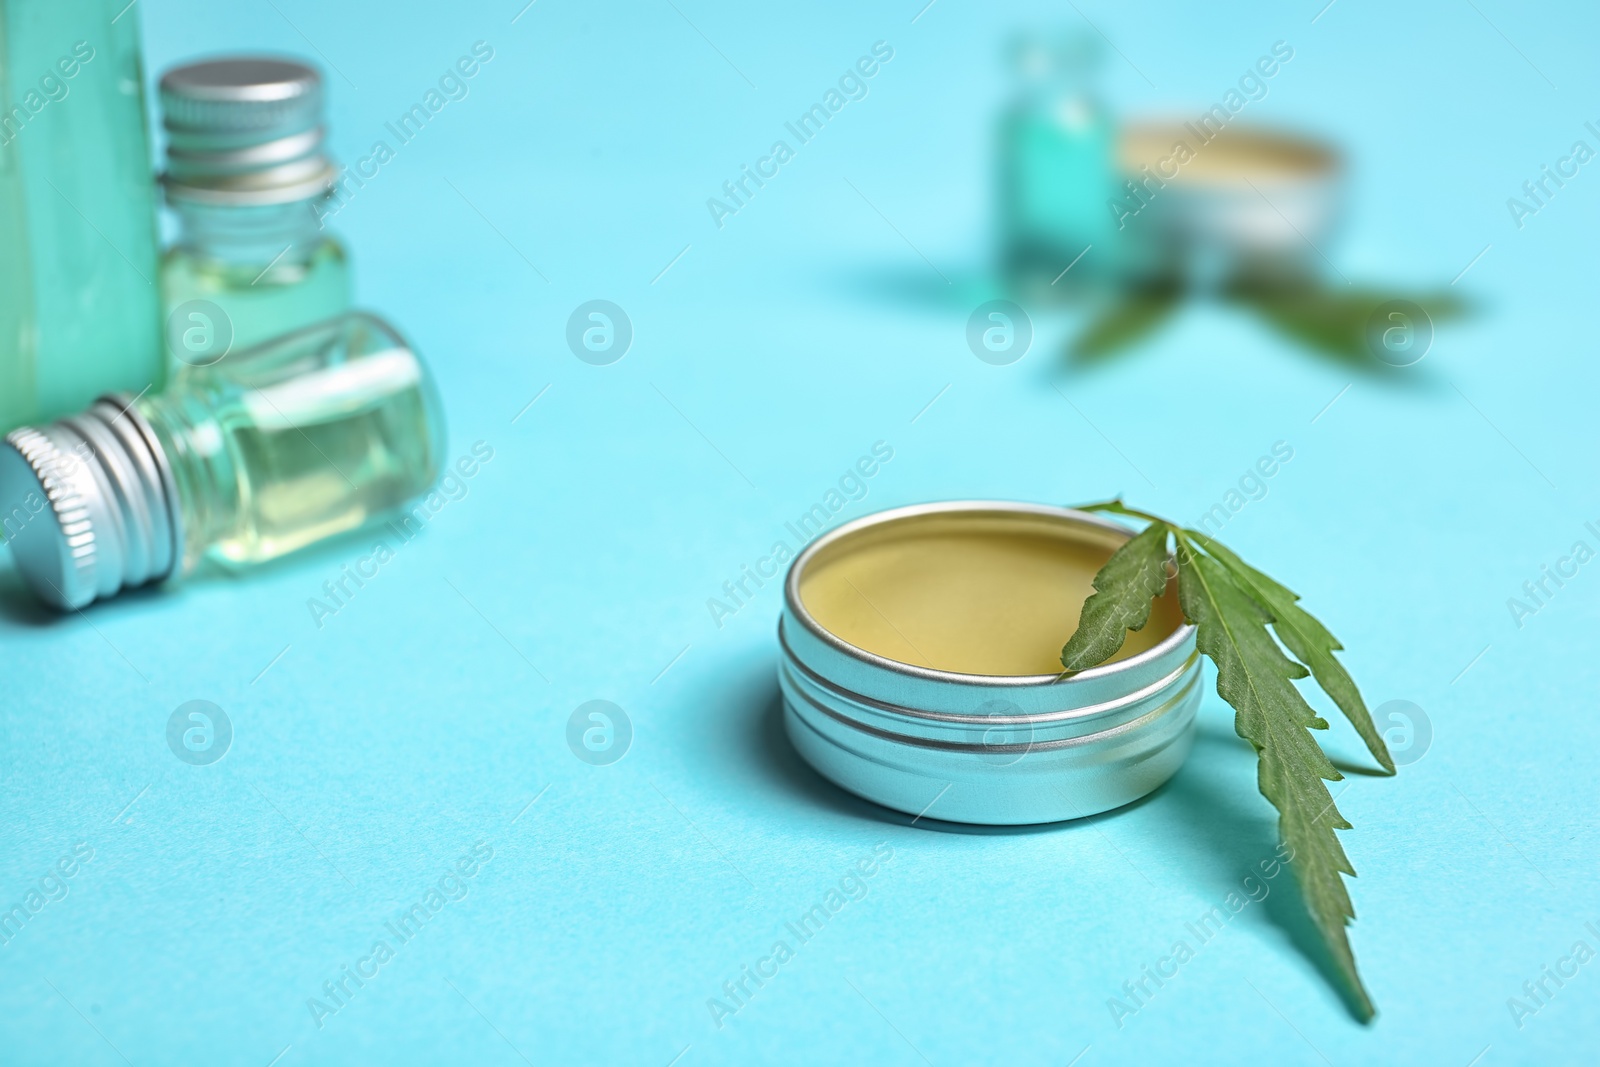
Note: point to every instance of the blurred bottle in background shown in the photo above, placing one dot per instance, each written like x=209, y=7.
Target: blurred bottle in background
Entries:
x=79, y=308
x=1056, y=166
x=246, y=177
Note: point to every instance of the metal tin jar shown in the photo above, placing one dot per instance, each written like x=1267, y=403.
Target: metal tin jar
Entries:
x=973, y=748
x=1255, y=202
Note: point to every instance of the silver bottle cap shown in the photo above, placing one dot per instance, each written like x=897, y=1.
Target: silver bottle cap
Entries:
x=88, y=504
x=244, y=130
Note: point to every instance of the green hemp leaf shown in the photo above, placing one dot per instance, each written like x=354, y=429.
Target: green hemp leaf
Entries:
x=1232, y=604
x=1125, y=588
x=1307, y=639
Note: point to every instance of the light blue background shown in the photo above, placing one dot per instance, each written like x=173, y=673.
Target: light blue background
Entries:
x=429, y=712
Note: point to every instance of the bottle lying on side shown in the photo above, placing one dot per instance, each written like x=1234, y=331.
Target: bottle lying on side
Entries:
x=307, y=436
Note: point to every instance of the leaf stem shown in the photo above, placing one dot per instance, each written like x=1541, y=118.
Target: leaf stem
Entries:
x=1116, y=506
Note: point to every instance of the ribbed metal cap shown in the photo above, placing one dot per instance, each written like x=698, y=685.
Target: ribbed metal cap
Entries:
x=89, y=504
x=244, y=130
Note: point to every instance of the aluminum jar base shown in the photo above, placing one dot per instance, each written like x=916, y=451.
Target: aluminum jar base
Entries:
x=993, y=789
x=992, y=750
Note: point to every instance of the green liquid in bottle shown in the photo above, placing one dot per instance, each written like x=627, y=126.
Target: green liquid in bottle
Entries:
x=1056, y=169
x=79, y=309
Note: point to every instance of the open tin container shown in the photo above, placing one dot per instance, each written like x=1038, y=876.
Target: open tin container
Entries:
x=1240, y=201
x=919, y=651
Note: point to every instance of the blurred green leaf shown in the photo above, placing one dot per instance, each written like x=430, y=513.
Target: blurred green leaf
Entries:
x=1123, y=323
x=1332, y=321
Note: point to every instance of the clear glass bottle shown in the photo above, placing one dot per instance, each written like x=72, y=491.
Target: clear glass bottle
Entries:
x=79, y=310
x=1057, y=166
x=310, y=435
x=247, y=182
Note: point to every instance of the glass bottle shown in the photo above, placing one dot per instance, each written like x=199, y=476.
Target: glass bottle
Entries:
x=79, y=309
x=248, y=183
x=242, y=461
x=1057, y=167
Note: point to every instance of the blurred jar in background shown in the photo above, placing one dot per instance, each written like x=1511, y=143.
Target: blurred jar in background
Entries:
x=79, y=310
x=1056, y=166
x=246, y=177
x=1244, y=205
